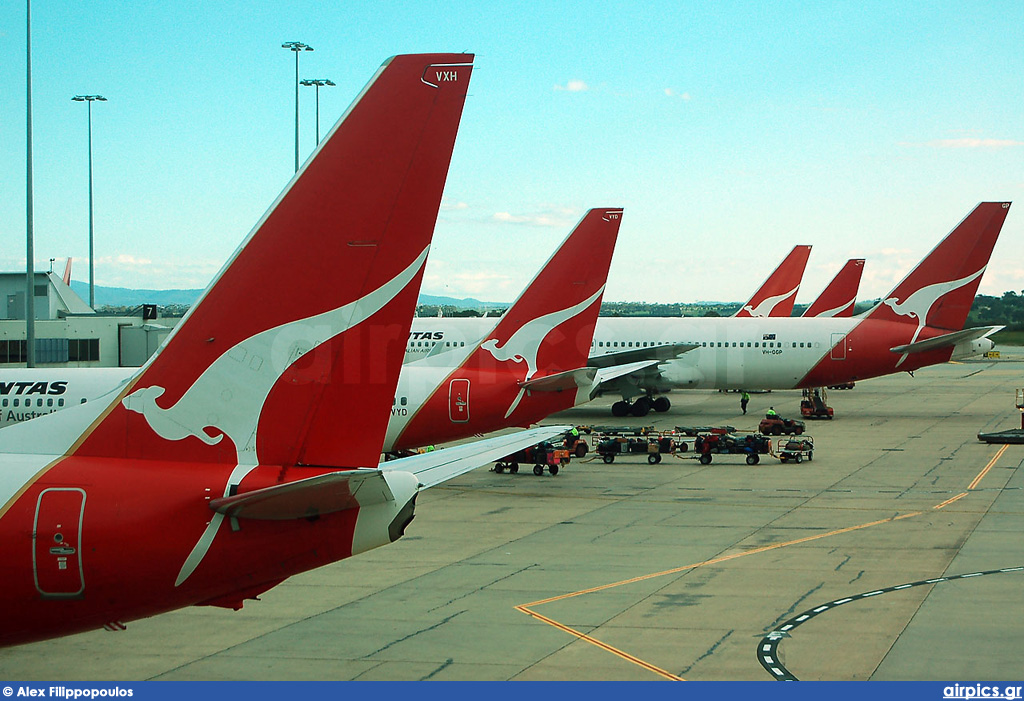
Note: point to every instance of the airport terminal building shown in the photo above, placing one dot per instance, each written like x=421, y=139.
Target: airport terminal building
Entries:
x=70, y=333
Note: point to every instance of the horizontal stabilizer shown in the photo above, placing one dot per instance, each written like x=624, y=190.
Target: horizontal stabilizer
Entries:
x=439, y=466
x=323, y=494
x=669, y=351
x=947, y=340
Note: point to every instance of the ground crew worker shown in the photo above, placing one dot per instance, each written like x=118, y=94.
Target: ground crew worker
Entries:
x=770, y=414
x=744, y=398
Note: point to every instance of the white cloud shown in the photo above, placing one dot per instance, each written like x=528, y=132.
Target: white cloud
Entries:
x=449, y=206
x=685, y=96
x=573, y=86
x=125, y=270
x=559, y=217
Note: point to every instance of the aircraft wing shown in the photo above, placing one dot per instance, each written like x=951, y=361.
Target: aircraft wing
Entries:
x=442, y=465
x=323, y=494
x=659, y=353
x=585, y=378
x=947, y=340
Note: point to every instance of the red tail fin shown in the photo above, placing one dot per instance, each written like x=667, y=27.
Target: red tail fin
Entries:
x=67, y=273
x=940, y=290
x=840, y=296
x=287, y=360
x=551, y=326
x=547, y=331
x=777, y=295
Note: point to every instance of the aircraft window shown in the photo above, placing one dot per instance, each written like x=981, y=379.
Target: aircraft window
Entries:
x=757, y=344
x=15, y=401
x=393, y=400
x=794, y=344
x=84, y=400
x=734, y=344
x=5, y=401
x=60, y=401
x=801, y=344
x=462, y=343
x=49, y=401
x=405, y=401
x=39, y=402
x=645, y=344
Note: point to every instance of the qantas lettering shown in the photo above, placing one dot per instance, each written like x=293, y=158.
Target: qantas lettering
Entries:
x=19, y=388
x=426, y=336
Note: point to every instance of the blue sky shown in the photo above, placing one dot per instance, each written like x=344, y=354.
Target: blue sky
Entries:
x=729, y=132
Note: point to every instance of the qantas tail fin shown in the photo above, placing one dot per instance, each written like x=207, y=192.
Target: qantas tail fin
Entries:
x=777, y=295
x=940, y=290
x=840, y=296
x=67, y=273
x=283, y=360
x=551, y=326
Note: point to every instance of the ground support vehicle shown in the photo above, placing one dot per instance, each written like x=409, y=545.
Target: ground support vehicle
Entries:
x=576, y=444
x=776, y=426
x=751, y=445
x=795, y=449
x=814, y=404
x=653, y=445
x=693, y=431
x=617, y=430
x=541, y=455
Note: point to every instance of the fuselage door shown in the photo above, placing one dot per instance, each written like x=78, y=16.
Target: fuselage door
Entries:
x=458, y=400
x=838, y=346
x=57, y=543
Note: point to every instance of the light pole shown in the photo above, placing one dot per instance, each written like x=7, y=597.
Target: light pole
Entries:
x=89, y=99
x=30, y=276
x=296, y=46
x=317, y=82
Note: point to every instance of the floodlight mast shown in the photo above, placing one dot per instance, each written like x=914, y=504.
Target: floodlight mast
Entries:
x=89, y=99
x=317, y=82
x=296, y=46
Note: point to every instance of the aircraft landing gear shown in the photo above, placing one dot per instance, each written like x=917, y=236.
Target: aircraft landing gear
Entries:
x=641, y=407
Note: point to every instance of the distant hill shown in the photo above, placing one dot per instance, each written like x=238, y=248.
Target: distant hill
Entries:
x=125, y=297
x=465, y=303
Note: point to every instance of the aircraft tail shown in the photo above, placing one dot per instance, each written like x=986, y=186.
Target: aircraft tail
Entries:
x=67, y=273
x=940, y=290
x=283, y=360
x=551, y=325
x=777, y=294
x=840, y=296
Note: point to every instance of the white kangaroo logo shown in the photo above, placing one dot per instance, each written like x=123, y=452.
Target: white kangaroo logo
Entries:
x=919, y=304
x=524, y=345
x=767, y=305
x=837, y=311
x=229, y=395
